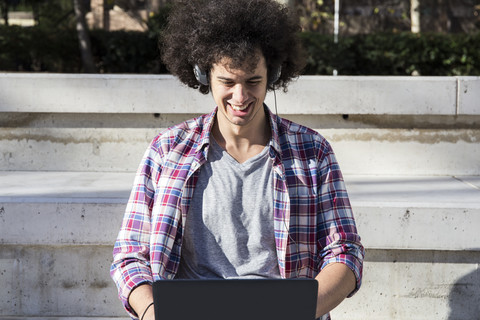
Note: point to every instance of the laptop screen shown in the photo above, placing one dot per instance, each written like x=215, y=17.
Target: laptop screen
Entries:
x=239, y=299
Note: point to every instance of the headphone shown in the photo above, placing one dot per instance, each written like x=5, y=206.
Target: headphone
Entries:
x=202, y=76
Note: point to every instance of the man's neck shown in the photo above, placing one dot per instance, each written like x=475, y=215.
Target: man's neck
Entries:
x=243, y=142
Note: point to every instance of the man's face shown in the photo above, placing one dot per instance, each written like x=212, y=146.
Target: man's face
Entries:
x=239, y=93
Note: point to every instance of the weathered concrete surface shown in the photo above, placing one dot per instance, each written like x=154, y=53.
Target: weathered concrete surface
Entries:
x=57, y=239
x=393, y=212
x=97, y=93
x=308, y=95
x=65, y=187
x=406, y=152
x=56, y=223
x=73, y=281
x=421, y=285
x=60, y=149
x=57, y=281
x=164, y=120
x=469, y=95
x=409, y=149
x=371, y=95
x=359, y=151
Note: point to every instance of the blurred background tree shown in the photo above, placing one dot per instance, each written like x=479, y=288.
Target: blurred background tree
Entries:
x=80, y=8
x=397, y=37
x=371, y=16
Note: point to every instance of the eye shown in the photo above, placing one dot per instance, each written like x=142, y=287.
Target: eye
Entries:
x=254, y=82
x=227, y=83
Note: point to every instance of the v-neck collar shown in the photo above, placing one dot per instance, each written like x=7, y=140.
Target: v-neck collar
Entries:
x=221, y=152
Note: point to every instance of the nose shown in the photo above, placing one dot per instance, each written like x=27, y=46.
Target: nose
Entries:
x=240, y=94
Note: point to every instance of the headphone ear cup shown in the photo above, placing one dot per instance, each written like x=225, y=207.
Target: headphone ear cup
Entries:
x=274, y=75
x=200, y=75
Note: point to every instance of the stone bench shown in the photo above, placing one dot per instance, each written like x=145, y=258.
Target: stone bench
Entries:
x=393, y=212
x=59, y=229
x=309, y=95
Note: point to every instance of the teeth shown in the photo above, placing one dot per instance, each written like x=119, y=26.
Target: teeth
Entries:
x=239, y=108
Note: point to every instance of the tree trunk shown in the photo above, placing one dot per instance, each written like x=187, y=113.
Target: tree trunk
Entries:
x=106, y=15
x=4, y=6
x=454, y=25
x=36, y=12
x=444, y=20
x=415, y=15
x=83, y=37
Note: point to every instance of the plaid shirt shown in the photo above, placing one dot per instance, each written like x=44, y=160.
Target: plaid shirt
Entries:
x=313, y=220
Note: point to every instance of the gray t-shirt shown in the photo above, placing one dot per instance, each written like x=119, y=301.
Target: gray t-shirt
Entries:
x=229, y=230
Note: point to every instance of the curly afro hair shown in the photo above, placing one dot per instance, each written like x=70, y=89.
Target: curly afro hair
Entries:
x=203, y=32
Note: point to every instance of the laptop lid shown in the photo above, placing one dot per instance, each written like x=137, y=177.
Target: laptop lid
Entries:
x=238, y=299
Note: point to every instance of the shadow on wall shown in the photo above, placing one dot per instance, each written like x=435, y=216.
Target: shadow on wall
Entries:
x=465, y=296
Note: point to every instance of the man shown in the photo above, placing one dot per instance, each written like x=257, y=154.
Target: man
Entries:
x=239, y=192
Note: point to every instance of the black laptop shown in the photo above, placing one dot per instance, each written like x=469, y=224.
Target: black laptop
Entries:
x=245, y=299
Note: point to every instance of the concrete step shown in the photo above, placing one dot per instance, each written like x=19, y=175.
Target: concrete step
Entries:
x=65, y=318
x=59, y=282
x=377, y=125
x=408, y=146
x=58, y=208
x=368, y=151
x=58, y=229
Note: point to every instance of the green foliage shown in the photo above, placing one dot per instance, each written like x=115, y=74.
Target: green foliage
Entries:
x=394, y=54
x=126, y=52
x=38, y=49
x=157, y=22
x=34, y=49
x=314, y=13
x=53, y=14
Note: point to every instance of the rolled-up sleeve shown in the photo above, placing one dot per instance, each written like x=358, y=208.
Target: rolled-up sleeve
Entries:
x=338, y=238
x=131, y=253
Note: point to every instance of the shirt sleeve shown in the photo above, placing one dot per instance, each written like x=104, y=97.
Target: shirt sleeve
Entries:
x=338, y=238
x=131, y=253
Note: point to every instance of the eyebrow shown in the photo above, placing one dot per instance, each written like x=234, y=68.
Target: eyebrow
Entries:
x=254, y=78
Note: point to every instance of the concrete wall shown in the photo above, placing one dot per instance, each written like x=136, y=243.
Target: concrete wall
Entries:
x=396, y=125
x=309, y=95
x=409, y=148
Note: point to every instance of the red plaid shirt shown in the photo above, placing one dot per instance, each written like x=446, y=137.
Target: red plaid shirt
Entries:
x=309, y=197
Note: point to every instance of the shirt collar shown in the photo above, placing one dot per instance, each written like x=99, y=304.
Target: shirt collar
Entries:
x=204, y=141
x=275, y=125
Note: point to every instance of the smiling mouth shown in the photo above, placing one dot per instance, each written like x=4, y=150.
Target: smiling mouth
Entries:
x=240, y=107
